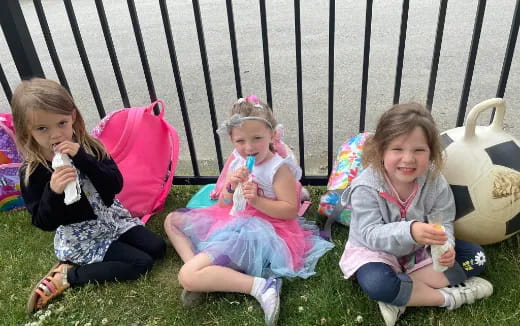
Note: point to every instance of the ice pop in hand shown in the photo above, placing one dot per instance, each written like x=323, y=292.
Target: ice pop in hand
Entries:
x=239, y=202
x=250, y=162
x=438, y=250
x=72, y=190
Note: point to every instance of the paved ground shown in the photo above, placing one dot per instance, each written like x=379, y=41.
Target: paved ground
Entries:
x=314, y=19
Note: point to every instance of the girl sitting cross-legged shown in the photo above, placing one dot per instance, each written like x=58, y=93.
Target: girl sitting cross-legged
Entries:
x=390, y=240
x=228, y=248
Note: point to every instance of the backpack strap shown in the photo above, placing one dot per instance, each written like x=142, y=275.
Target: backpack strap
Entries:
x=174, y=140
x=128, y=134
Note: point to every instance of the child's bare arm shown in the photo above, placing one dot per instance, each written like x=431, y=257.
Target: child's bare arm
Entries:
x=286, y=205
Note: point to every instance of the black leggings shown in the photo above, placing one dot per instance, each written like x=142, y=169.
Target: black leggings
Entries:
x=127, y=258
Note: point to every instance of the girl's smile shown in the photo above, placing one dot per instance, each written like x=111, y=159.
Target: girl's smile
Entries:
x=407, y=157
x=252, y=138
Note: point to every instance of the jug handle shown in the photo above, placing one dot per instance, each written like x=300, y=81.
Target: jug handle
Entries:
x=498, y=120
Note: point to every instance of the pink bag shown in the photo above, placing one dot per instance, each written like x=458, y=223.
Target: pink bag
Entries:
x=146, y=149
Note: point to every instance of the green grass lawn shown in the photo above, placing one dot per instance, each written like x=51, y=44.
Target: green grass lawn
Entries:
x=26, y=253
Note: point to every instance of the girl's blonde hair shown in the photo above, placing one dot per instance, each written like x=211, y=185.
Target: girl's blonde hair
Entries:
x=252, y=107
x=402, y=119
x=48, y=96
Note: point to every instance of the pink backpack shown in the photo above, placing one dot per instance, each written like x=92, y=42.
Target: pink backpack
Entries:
x=146, y=149
x=10, y=161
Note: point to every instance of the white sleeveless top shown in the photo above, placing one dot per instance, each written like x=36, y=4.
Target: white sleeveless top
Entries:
x=264, y=172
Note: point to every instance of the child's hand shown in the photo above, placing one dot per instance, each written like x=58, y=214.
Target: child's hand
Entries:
x=447, y=258
x=67, y=147
x=239, y=176
x=424, y=233
x=61, y=177
x=250, y=190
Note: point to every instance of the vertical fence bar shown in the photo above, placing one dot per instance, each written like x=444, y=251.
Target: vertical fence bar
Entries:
x=234, y=54
x=265, y=44
x=112, y=52
x=5, y=85
x=142, y=52
x=299, y=88
x=366, y=63
x=83, y=55
x=400, y=54
x=178, y=83
x=471, y=61
x=510, y=50
x=19, y=40
x=207, y=79
x=436, y=53
x=50, y=43
x=330, y=122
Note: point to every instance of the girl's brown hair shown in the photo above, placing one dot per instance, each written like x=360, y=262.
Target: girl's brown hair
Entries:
x=48, y=96
x=252, y=107
x=402, y=119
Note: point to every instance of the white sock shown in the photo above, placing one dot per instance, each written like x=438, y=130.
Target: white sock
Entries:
x=258, y=286
x=447, y=299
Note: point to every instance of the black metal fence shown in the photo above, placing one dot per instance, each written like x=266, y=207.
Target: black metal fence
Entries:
x=28, y=64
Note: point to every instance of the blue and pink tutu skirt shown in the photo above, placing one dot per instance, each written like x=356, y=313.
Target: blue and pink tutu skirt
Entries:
x=253, y=243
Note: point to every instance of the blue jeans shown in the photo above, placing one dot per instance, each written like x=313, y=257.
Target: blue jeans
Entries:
x=381, y=283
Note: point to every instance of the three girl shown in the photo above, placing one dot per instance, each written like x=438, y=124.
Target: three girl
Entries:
x=248, y=251
x=96, y=239
x=389, y=238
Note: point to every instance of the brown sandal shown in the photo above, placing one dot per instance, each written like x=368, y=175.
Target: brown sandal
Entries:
x=48, y=288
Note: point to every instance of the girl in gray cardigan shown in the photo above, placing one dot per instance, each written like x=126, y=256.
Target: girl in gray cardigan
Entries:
x=388, y=249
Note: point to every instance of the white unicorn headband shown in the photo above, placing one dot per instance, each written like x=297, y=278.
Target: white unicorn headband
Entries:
x=236, y=120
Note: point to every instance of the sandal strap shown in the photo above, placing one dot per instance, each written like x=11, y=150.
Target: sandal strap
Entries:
x=51, y=279
x=49, y=285
x=45, y=289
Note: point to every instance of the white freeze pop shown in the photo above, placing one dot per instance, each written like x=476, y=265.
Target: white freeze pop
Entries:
x=239, y=202
x=438, y=250
x=72, y=190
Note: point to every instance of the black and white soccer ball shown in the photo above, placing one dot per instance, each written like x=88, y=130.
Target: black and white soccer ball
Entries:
x=482, y=166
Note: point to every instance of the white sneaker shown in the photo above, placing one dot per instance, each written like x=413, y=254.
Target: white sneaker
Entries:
x=270, y=300
x=390, y=312
x=472, y=289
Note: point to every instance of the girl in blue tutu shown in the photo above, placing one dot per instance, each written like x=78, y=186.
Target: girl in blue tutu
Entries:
x=252, y=236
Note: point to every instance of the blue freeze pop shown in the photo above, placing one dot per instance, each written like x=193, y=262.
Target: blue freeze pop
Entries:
x=250, y=162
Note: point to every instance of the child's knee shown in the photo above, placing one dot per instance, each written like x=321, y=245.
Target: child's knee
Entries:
x=187, y=278
x=168, y=222
x=381, y=283
x=171, y=223
x=158, y=249
x=471, y=257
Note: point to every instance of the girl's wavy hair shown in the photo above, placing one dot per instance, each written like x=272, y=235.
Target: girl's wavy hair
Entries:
x=48, y=96
x=252, y=107
x=402, y=119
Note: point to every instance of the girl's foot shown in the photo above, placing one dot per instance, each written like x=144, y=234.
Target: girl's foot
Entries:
x=470, y=290
x=270, y=300
x=51, y=286
x=191, y=299
x=390, y=312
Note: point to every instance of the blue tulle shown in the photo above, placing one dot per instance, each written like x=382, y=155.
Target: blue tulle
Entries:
x=250, y=244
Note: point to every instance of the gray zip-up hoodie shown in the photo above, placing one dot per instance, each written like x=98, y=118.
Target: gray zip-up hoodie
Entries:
x=379, y=223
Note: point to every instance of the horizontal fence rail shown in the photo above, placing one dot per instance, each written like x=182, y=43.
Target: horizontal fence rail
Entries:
x=28, y=64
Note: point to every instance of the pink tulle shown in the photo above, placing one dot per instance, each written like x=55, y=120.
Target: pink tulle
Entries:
x=298, y=240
